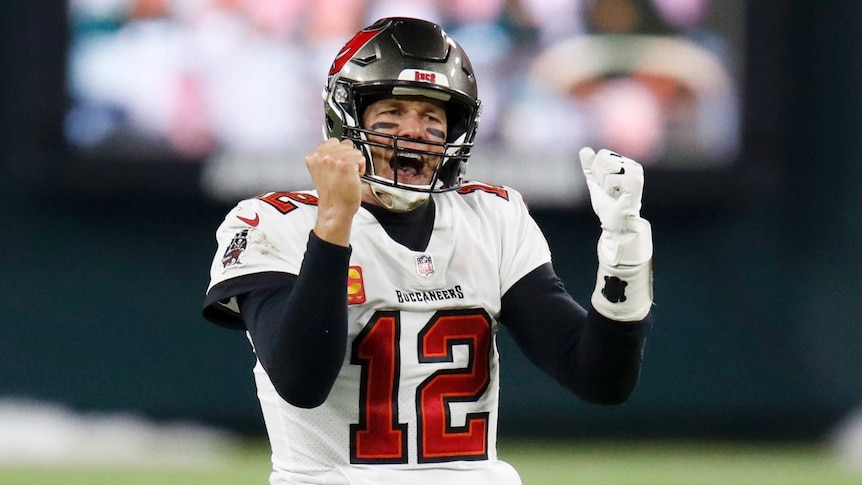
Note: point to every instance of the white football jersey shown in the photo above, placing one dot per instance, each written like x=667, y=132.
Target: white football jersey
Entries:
x=416, y=400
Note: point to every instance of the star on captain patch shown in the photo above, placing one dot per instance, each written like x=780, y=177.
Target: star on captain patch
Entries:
x=425, y=265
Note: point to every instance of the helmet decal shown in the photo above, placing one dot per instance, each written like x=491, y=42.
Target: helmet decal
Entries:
x=352, y=47
x=420, y=75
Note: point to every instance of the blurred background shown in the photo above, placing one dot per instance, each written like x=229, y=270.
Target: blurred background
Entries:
x=129, y=127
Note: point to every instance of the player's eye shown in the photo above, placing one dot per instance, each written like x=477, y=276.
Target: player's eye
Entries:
x=390, y=112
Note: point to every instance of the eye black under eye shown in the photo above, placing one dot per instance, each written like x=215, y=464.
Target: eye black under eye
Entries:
x=435, y=132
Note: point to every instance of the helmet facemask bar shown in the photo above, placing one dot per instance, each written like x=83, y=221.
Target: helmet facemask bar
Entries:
x=345, y=104
x=447, y=175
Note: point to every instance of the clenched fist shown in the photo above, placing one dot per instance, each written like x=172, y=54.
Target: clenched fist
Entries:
x=616, y=186
x=336, y=168
x=624, y=279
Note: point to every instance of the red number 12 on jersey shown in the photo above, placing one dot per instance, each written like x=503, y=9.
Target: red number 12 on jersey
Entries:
x=379, y=437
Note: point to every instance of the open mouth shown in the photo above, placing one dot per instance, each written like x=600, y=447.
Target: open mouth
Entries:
x=407, y=167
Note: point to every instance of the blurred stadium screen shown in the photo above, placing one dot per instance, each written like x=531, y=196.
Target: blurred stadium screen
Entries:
x=234, y=87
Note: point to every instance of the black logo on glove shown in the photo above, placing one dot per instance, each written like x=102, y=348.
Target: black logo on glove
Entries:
x=615, y=289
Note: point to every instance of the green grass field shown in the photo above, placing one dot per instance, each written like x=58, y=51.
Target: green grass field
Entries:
x=539, y=462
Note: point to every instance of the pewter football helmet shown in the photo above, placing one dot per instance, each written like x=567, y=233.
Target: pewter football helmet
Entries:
x=409, y=57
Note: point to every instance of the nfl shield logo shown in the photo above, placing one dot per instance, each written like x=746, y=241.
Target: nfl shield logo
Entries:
x=425, y=265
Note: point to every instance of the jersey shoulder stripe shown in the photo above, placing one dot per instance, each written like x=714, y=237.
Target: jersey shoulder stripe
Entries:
x=481, y=187
x=490, y=198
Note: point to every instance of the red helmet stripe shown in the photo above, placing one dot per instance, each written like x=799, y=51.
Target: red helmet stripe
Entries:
x=351, y=48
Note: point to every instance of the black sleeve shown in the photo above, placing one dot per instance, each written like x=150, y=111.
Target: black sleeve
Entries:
x=299, y=327
x=596, y=358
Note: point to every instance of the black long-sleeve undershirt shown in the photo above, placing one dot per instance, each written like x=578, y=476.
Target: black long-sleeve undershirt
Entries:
x=299, y=330
x=596, y=358
x=299, y=327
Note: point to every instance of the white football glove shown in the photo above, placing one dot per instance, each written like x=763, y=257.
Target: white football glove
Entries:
x=624, y=281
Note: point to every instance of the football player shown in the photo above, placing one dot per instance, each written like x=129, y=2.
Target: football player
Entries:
x=372, y=302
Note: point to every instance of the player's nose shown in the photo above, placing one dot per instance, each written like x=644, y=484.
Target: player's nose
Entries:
x=411, y=126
